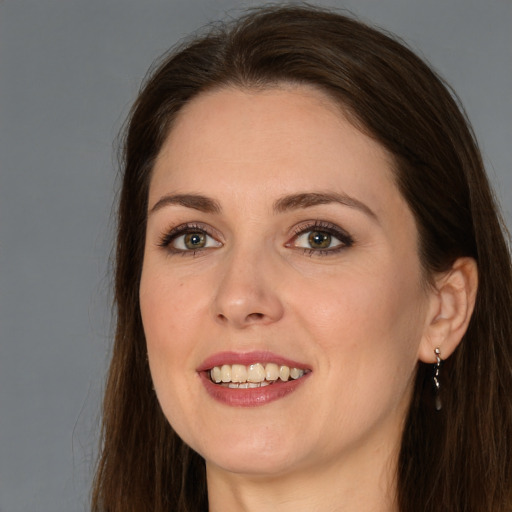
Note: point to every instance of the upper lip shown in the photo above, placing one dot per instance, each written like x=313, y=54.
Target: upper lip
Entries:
x=247, y=358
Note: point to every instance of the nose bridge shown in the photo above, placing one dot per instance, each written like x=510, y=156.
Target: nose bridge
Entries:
x=245, y=293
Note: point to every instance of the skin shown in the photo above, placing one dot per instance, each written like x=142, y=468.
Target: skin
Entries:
x=360, y=317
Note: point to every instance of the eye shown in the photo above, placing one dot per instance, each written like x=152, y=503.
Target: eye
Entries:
x=188, y=239
x=193, y=241
x=321, y=237
x=317, y=240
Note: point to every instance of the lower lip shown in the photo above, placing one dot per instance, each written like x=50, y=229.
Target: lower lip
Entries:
x=250, y=397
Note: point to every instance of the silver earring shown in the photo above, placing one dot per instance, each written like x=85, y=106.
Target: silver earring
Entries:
x=436, y=379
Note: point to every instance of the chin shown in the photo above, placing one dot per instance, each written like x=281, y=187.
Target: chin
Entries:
x=255, y=465
x=252, y=454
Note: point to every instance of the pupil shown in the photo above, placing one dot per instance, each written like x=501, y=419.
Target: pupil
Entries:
x=319, y=239
x=194, y=240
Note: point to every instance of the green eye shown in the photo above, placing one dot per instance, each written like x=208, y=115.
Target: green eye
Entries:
x=319, y=239
x=194, y=240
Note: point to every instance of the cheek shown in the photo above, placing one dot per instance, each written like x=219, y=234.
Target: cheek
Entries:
x=163, y=317
x=168, y=327
x=360, y=301
x=173, y=310
x=369, y=325
x=168, y=305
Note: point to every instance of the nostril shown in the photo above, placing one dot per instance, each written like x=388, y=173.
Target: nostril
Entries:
x=255, y=316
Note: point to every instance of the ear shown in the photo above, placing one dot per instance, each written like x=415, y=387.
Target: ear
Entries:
x=452, y=303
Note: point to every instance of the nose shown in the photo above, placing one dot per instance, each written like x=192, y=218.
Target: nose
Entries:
x=247, y=293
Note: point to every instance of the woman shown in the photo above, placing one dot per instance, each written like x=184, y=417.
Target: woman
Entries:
x=312, y=285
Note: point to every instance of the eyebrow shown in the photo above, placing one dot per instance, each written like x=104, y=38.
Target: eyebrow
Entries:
x=290, y=202
x=194, y=201
x=309, y=199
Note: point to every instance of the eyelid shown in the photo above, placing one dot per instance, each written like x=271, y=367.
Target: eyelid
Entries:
x=323, y=226
x=171, y=234
x=175, y=232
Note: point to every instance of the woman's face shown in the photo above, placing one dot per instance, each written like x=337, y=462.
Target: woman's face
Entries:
x=277, y=239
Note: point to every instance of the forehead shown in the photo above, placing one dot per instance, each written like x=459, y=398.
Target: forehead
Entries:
x=273, y=141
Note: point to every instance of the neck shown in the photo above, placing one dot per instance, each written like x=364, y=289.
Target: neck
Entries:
x=365, y=484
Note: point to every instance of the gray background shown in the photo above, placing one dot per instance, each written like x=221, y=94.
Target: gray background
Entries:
x=68, y=72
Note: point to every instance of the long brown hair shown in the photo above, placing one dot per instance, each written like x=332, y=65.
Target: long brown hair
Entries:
x=458, y=459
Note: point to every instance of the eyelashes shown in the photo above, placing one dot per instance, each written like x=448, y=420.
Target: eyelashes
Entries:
x=320, y=237
x=189, y=238
x=312, y=237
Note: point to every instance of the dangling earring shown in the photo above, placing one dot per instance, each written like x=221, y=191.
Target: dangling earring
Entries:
x=436, y=379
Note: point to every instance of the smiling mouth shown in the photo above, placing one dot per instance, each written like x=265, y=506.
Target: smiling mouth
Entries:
x=239, y=376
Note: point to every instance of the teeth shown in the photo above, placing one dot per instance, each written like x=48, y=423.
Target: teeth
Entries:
x=246, y=385
x=254, y=375
x=216, y=374
x=238, y=373
x=284, y=372
x=271, y=372
x=295, y=373
x=225, y=373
